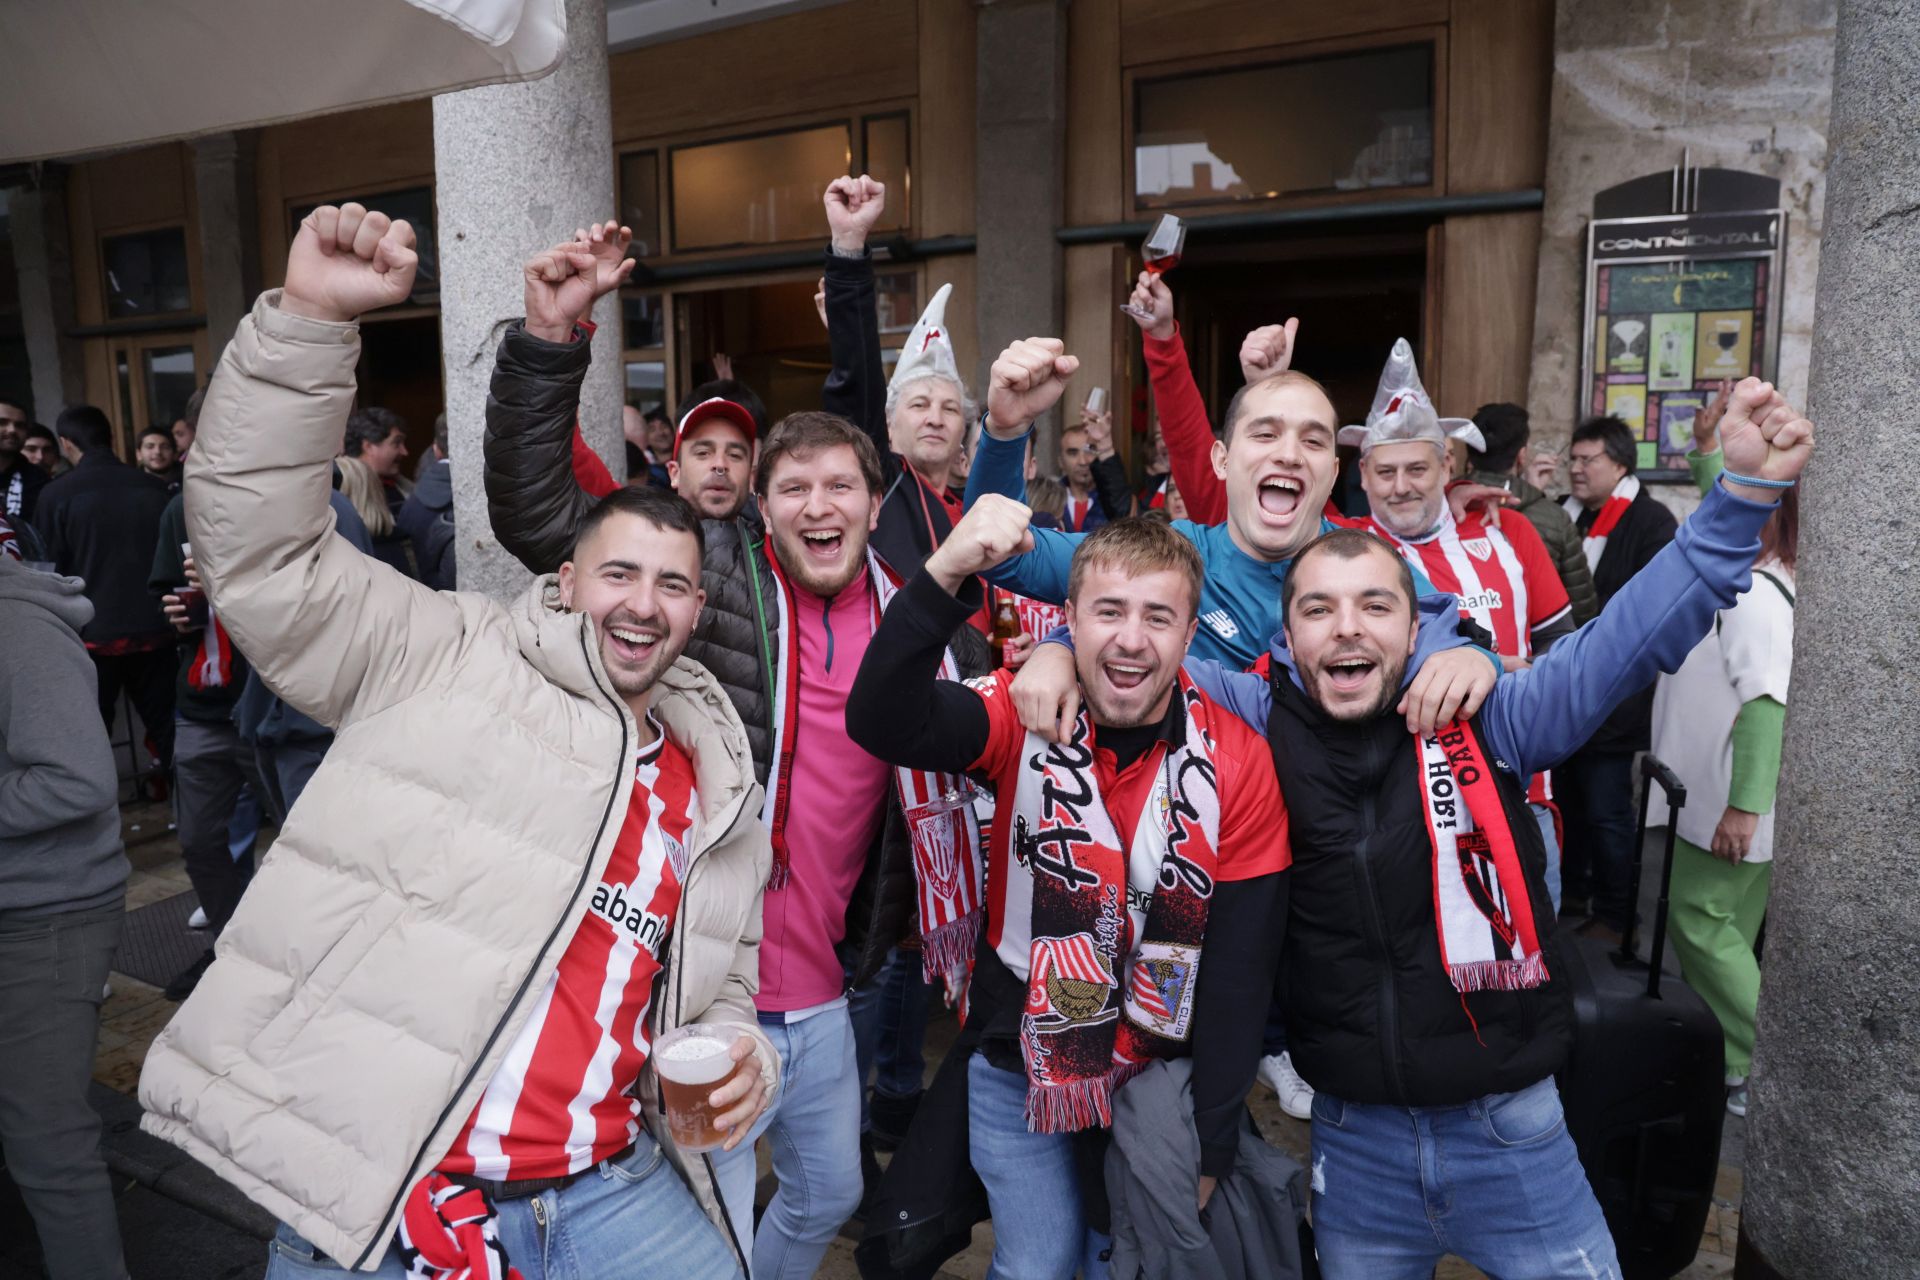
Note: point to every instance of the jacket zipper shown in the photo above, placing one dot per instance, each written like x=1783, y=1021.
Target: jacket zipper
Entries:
x=586, y=872
x=1389, y=1005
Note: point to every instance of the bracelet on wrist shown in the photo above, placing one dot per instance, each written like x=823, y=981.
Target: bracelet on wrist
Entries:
x=1757, y=482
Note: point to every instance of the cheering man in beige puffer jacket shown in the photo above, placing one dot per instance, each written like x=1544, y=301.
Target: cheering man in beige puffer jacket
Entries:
x=533, y=849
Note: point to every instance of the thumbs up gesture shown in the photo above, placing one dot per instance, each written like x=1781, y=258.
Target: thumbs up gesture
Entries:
x=1763, y=436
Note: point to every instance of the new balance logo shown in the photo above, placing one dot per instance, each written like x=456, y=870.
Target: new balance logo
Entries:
x=1223, y=625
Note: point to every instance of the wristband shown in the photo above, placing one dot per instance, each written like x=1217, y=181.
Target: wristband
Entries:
x=1734, y=478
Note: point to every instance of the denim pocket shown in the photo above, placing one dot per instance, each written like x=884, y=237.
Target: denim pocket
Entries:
x=1329, y=1110
x=1516, y=1119
x=637, y=1165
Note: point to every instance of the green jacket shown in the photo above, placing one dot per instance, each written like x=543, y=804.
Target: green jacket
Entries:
x=1562, y=539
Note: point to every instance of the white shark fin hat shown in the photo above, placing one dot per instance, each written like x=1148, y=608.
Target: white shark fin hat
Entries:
x=929, y=349
x=1401, y=411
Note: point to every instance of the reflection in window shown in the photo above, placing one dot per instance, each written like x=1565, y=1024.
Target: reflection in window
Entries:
x=646, y=383
x=640, y=202
x=643, y=320
x=168, y=374
x=897, y=298
x=886, y=160
x=415, y=204
x=1345, y=122
x=147, y=274
x=761, y=190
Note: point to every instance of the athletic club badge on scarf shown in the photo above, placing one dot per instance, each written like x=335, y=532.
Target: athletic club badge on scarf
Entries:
x=1480, y=899
x=1595, y=541
x=1085, y=1031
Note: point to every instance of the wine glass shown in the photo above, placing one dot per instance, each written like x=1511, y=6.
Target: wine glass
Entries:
x=1160, y=252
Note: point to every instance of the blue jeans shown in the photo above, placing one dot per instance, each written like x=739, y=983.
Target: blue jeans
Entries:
x=1544, y=816
x=889, y=1028
x=1039, y=1229
x=1496, y=1181
x=813, y=1124
x=629, y=1218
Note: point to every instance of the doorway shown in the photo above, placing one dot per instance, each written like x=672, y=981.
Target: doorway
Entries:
x=400, y=370
x=769, y=332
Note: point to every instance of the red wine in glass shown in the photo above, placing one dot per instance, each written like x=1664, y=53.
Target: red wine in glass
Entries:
x=1160, y=253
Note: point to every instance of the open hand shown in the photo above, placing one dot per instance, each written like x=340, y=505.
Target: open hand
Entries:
x=1150, y=294
x=346, y=261
x=608, y=242
x=994, y=529
x=1025, y=382
x=1268, y=350
x=1449, y=686
x=853, y=206
x=1464, y=495
x=1764, y=437
x=744, y=1096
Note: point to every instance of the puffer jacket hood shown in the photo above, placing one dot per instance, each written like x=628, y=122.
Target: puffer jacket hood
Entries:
x=63, y=597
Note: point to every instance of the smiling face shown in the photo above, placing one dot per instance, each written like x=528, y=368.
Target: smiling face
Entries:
x=1076, y=458
x=713, y=468
x=659, y=433
x=819, y=512
x=1130, y=633
x=40, y=451
x=1407, y=485
x=640, y=584
x=384, y=457
x=927, y=425
x=1351, y=626
x=156, y=452
x=1278, y=463
x=13, y=430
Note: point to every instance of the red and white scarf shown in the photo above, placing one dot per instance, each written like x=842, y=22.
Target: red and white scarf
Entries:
x=1595, y=541
x=937, y=806
x=1481, y=903
x=1083, y=1032
x=450, y=1232
x=212, y=658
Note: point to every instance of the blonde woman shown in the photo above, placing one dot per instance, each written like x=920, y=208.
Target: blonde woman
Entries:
x=361, y=487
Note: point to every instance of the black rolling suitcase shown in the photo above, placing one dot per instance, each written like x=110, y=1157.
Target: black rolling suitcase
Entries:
x=1645, y=1086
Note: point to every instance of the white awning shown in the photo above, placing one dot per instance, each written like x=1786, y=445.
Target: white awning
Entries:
x=97, y=75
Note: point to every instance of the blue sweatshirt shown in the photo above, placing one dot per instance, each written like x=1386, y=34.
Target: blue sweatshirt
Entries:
x=1239, y=600
x=1537, y=717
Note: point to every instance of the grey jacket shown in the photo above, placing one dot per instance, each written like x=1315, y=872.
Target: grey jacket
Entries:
x=60, y=844
x=1251, y=1227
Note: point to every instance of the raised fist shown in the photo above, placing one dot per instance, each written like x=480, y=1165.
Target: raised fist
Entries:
x=853, y=206
x=1762, y=436
x=1150, y=294
x=994, y=529
x=1025, y=382
x=563, y=282
x=1268, y=350
x=346, y=261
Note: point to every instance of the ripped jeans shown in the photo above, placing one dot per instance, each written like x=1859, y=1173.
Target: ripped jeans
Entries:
x=1496, y=1181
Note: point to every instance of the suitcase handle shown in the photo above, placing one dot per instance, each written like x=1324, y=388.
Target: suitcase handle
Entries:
x=1654, y=771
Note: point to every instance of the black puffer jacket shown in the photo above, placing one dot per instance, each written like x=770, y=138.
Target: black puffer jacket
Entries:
x=1371, y=1014
x=535, y=505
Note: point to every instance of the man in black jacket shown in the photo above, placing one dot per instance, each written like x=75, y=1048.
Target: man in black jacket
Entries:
x=100, y=522
x=426, y=517
x=20, y=480
x=1622, y=528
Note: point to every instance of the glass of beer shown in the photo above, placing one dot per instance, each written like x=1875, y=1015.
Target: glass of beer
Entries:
x=692, y=1062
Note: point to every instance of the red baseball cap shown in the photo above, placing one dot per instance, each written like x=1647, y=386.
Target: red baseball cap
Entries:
x=706, y=410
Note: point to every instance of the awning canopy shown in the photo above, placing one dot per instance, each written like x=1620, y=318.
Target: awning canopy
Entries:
x=97, y=75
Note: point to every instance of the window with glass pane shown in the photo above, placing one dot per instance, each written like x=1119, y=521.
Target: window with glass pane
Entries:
x=415, y=204
x=1345, y=122
x=640, y=201
x=646, y=383
x=760, y=190
x=896, y=297
x=886, y=159
x=168, y=374
x=643, y=321
x=147, y=274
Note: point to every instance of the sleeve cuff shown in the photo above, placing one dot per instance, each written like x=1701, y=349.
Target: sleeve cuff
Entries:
x=270, y=320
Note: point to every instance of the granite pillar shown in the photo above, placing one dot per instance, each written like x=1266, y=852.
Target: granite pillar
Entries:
x=223, y=180
x=1020, y=95
x=1833, y=1147
x=43, y=266
x=517, y=168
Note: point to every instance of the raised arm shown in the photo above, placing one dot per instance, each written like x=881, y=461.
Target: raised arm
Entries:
x=856, y=386
x=337, y=634
x=1110, y=484
x=1176, y=397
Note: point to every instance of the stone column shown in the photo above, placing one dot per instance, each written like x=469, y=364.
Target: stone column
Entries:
x=229, y=232
x=1833, y=1152
x=517, y=168
x=43, y=265
x=1020, y=95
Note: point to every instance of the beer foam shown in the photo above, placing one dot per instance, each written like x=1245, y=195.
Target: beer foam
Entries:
x=696, y=1060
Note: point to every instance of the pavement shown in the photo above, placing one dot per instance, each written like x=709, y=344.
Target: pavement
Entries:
x=179, y=1221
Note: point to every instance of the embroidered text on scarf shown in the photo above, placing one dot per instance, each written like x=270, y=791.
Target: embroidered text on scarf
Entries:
x=1595, y=541
x=1084, y=1032
x=1480, y=900
x=940, y=821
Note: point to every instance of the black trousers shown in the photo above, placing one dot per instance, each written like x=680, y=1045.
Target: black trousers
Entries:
x=148, y=679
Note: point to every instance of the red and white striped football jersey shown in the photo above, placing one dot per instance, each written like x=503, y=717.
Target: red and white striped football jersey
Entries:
x=560, y=1100
x=1504, y=577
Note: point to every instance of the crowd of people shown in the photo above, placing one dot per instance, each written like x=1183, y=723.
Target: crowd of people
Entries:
x=1250, y=790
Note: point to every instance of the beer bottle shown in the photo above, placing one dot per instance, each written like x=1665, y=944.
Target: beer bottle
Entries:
x=1006, y=625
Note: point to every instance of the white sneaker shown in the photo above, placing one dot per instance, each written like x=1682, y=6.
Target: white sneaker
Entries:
x=1295, y=1094
x=1737, y=1099
x=198, y=920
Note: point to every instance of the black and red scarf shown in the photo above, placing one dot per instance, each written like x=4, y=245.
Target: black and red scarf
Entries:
x=1085, y=1031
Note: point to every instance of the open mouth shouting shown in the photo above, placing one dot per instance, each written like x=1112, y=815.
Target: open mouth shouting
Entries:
x=1125, y=676
x=823, y=545
x=1280, y=497
x=1349, y=673
x=633, y=644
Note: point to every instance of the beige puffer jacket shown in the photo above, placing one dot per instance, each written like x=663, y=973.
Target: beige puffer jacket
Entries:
x=399, y=933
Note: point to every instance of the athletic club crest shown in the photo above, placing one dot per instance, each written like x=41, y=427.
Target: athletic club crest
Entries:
x=1070, y=980
x=1480, y=549
x=1160, y=988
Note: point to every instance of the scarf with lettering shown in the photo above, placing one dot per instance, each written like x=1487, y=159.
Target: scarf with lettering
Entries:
x=1481, y=903
x=1594, y=543
x=937, y=806
x=450, y=1232
x=1085, y=1031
